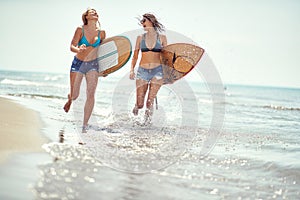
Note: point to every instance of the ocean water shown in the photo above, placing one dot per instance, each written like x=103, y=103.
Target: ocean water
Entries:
x=242, y=145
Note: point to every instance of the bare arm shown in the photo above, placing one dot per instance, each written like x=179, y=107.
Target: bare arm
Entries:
x=74, y=44
x=102, y=35
x=135, y=53
x=163, y=40
x=135, y=56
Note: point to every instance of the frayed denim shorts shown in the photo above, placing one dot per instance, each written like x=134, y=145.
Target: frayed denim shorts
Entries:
x=84, y=66
x=148, y=74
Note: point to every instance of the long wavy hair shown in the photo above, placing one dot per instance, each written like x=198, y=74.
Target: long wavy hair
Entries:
x=156, y=24
x=85, y=21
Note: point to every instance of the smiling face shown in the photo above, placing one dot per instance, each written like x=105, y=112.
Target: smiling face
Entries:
x=90, y=14
x=149, y=22
x=146, y=23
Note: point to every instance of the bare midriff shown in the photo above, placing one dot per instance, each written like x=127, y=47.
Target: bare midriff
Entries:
x=150, y=60
x=87, y=55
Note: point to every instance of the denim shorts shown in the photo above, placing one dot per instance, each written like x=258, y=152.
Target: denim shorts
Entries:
x=84, y=66
x=148, y=74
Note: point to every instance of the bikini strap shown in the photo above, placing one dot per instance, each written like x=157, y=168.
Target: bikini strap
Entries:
x=158, y=38
x=82, y=30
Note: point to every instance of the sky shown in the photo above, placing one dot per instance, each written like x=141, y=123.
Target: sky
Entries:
x=250, y=42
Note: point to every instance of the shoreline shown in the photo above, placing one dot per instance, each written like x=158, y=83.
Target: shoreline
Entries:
x=20, y=130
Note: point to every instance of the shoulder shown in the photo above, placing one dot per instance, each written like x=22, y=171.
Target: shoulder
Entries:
x=139, y=38
x=79, y=29
x=102, y=31
x=163, y=39
x=102, y=34
x=162, y=36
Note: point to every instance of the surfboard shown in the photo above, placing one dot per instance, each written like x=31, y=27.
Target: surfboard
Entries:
x=178, y=60
x=112, y=54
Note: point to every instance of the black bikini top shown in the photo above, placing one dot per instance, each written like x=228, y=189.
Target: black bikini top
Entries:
x=156, y=48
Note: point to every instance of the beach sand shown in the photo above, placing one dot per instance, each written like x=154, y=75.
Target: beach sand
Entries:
x=20, y=150
x=20, y=130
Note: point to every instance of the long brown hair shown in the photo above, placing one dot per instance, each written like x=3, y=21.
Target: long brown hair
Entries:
x=156, y=24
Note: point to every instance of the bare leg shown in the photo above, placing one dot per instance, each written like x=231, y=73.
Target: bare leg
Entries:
x=76, y=86
x=91, y=85
x=69, y=102
x=141, y=89
x=155, y=85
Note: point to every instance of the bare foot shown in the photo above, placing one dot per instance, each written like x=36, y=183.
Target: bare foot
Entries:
x=68, y=104
x=135, y=110
x=85, y=128
x=148, y=116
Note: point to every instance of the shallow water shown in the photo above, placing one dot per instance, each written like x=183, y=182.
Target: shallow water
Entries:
x=178, y=156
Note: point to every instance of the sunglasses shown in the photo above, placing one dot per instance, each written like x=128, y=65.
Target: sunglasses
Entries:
x=143, y=21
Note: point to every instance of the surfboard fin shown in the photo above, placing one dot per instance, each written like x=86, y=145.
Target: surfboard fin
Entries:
x=174, y=58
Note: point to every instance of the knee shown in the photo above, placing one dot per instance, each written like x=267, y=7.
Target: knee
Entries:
x=90, y=96
x=74, y=94
x=74, y=97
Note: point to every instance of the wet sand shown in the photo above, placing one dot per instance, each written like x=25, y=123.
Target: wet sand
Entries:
x=20, y=130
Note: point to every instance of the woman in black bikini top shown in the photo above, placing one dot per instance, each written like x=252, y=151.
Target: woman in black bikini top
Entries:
x=149, y=74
